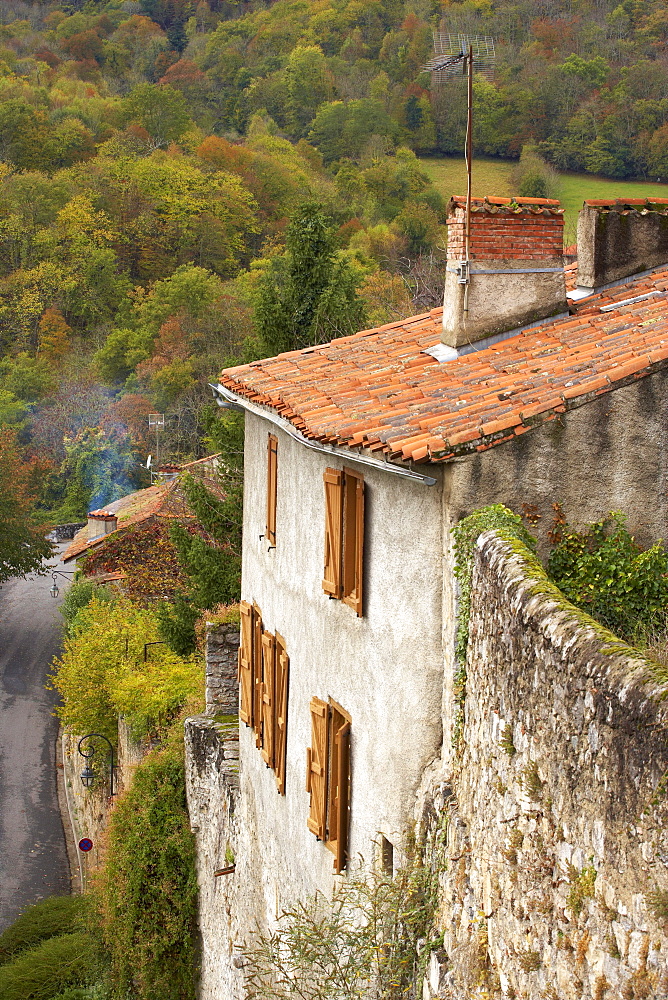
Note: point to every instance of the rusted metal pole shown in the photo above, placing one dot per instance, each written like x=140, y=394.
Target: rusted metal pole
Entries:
x=469, y=147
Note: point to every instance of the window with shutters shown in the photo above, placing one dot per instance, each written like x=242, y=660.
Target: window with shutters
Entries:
x=344, y=536
x=272, y=480
x=264, y=668
x=328, y=778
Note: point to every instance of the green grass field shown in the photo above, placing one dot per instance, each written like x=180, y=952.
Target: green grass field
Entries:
x=492, y=177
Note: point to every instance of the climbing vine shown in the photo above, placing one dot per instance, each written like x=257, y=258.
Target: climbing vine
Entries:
x=146, y=557
x=466, y=533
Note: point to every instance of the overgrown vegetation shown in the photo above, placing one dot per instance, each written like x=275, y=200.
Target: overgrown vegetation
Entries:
x=371, y=940
x=43, y=972
x=106, y=670
x=582, y=886
x=146, y=889
x=604, y=571
x=49, y=918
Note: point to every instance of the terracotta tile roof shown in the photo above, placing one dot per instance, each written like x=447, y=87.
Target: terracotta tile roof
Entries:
x=378, y=390
x=164, y=500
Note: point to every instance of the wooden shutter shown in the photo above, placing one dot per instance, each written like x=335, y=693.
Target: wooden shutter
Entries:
x=282, y=662
x=339, y=787
x=316, y=767
x=257, y=674
x=245, y=673
x=272, y=474
x=353, y=540
x=268, y=649
x=331, y=582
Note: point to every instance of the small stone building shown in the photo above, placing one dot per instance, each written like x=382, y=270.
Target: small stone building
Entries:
x=360, y=456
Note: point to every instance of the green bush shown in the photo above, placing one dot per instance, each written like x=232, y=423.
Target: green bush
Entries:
x=147, y=887
x=78, y=596
x=43, y=972
x=49, y=918
x=604, y=571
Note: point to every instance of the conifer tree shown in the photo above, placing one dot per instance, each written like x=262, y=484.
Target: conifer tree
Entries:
x=308, y=295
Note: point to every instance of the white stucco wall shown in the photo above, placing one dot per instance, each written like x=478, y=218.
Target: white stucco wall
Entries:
x=385, y=669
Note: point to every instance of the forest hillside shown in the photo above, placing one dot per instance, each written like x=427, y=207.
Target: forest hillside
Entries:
x=176, y=176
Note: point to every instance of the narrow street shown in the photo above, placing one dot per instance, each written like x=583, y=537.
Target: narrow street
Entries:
x=33, y=858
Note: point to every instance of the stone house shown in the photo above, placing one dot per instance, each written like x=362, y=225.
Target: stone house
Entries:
x=127, y=543
x=360, y=456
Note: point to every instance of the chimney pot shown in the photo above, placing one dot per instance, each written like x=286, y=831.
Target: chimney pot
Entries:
x=618, y=238
x=516, y=267
x=101, y=522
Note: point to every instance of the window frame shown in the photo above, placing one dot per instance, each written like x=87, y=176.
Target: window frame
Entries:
x=344, y=537
x=328, y=778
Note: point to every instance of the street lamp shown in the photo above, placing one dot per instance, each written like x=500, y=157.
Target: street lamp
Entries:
x=88, y=775
x=55, y=589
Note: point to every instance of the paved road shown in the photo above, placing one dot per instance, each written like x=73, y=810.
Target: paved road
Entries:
x=33, y=857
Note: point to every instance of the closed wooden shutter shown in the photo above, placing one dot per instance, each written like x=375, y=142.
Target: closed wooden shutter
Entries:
x=268, y=649
x=282, y=662
x=341, y=763
x=339, y=786
x=353, y=540
x=245, y=673
x=257, y=674
x=331, y=582
x=316, y=767
x=272, y=479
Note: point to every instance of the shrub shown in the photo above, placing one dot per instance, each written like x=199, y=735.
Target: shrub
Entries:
x=43, y=972
x=371, y=940
x=604, y=571
x=78, y=596
x=48, y=918
x=102, y=673
x=146, y=889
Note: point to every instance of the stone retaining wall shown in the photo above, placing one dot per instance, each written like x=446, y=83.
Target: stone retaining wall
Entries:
x=556, y=885
x=64, y=531
x=222, y=690
x=212, y=781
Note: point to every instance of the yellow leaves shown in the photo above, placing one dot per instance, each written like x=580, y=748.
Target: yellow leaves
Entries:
x=102, y=673
x=78, y=219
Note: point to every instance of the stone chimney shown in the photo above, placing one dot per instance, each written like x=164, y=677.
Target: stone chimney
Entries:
x=620, y=237
x=101, y=522
x=515, y=274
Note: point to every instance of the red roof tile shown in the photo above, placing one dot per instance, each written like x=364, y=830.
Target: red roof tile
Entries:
x=164, y=500
x=378, y=390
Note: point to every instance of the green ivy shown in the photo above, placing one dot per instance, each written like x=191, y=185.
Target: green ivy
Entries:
x=605, y=572
x=466, y=533
x=147, y=886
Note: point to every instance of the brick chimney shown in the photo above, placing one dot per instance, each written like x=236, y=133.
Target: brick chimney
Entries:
x=617, y=238
x=516, y=267
x=101, y=522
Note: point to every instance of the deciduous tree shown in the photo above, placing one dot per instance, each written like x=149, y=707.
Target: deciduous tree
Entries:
x=23, y=544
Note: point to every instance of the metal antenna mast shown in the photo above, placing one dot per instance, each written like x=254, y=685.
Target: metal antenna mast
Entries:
x=453, y=51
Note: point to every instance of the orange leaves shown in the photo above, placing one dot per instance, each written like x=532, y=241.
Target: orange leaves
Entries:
x=146, y=556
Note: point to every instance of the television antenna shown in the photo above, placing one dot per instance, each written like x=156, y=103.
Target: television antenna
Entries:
x=452, y=52
x=156, y=420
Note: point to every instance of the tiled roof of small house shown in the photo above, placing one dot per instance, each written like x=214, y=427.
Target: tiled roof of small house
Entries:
x=378, y=390
x=164, y=500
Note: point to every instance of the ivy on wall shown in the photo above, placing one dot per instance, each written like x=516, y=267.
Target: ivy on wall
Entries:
x=146, y=889
x=466, y=533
